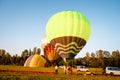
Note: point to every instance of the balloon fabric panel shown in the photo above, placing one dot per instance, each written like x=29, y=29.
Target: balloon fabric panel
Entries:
x=50, y=53
x=27, y=62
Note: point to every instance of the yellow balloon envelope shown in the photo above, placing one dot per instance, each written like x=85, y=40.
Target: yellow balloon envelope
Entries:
x=35, y=61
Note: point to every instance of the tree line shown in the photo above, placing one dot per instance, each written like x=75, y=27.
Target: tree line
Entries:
x=103, y=58
x=7, y=59
x=99, y=58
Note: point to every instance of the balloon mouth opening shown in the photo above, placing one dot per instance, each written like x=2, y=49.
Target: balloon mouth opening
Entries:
x=67, y=60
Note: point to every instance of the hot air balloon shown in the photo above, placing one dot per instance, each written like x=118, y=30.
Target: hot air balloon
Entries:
x=35, y=61
x=48, y=50
x=68, y=32
x=50, y=53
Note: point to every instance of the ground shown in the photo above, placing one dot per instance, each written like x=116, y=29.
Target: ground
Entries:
x=25, y=75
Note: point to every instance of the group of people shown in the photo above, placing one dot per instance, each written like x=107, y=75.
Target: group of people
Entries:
x=67, y=70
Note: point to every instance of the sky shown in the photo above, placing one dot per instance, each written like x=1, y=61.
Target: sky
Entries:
x=23, y=23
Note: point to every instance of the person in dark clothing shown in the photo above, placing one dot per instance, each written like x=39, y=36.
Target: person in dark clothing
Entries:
x=104, y=70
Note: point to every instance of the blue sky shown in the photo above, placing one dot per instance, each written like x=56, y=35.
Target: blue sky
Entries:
x=23, y=23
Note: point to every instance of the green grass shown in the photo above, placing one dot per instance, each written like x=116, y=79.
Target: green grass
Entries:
x=20, y=76
x=60, y=76
x=14, y=67
x=96, y=70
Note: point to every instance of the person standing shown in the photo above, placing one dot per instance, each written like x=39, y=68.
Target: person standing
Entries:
x=56, y=69
x=65, y=69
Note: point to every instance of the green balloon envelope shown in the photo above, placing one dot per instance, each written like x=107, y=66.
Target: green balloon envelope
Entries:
x=68, y=32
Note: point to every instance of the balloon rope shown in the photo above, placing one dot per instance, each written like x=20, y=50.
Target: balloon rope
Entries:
x=64, y=60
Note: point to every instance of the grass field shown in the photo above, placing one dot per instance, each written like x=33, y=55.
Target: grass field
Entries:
x=60, y=76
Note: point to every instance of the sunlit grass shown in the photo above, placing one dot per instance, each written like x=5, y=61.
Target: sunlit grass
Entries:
x=14, y=67
x=59, y=76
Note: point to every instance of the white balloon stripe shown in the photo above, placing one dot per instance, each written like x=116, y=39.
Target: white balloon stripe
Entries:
x=67, y=49
x=72, y=43
x=71, y=51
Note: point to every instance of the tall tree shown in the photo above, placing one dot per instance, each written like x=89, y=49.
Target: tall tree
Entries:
x=38, y=51
x=116, y=55
x=2, y=56
x=34, y=50
x=88, y=58
x=93, y=60
x=2, y=52
x=29, y=52
x=101, y=59
x=107, y=58
x=8, y=59
x=24, y=56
